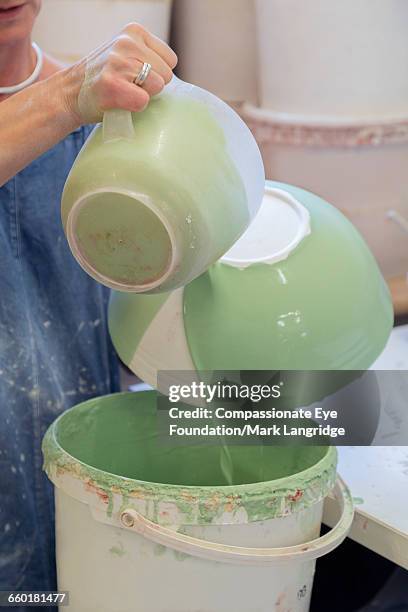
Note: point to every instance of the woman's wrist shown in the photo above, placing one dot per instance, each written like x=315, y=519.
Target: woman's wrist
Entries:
x=64, y=87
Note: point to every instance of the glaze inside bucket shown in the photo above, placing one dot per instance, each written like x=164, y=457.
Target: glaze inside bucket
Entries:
x=117, y=434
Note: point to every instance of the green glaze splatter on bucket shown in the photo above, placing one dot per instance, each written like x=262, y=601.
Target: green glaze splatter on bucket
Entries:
x=110, y=444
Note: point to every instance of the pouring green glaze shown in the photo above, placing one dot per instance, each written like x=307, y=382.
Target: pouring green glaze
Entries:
x=300, y=290
x=155, y=197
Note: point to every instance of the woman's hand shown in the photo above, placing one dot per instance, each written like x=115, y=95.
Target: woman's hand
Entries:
x=35, y=119
x=105, y=78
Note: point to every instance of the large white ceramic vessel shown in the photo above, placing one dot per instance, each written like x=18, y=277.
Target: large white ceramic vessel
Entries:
x=345, y=59
x=360, y=169
x=216, y=45
x=69, y=29
x=333, y=113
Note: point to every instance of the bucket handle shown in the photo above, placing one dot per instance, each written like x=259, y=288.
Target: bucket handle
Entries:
x=117, y=124
x=134, y=521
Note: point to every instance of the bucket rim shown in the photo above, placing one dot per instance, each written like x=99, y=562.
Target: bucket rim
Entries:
x=261, y=500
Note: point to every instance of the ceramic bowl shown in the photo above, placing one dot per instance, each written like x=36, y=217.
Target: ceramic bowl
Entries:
x=299, y=291
x=156, y=197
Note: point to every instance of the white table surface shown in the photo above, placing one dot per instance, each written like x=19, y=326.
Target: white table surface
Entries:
x=378, y=479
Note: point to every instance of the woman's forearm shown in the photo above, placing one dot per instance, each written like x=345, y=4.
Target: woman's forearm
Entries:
x=33, y=121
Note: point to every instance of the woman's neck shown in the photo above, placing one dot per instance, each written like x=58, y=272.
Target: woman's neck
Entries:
x=16, y=63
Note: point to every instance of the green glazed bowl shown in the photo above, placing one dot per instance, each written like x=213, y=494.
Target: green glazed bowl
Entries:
x=154, y=198
x=299, y=291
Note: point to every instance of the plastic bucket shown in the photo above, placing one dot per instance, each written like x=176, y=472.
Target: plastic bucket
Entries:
x=145, y=527
x=89, y=23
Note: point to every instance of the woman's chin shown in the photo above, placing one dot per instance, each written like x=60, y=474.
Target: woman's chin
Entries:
x=16, y=24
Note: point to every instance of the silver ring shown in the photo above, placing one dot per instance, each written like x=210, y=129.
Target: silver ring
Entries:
x=143, y=74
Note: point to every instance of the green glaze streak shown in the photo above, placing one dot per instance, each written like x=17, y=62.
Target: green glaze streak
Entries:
x=325, y=307
x=178, y=162
x=180, y=556
x=109, y=509
x=129, y=317
x=119, y=550
x=111, y=442
x=123, y=239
